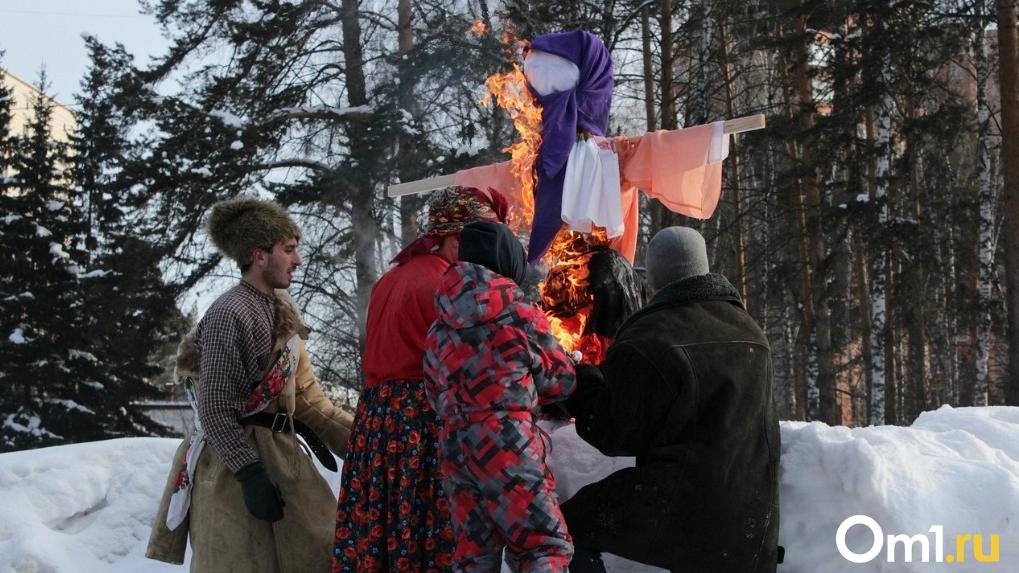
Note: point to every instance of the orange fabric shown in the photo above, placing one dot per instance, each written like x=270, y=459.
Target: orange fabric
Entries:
x=626, y=244
x=671, y=166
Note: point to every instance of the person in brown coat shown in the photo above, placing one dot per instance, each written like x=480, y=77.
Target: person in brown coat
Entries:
x=241, y=486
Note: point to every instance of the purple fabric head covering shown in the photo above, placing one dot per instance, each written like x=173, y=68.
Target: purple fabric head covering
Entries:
x=563, y=114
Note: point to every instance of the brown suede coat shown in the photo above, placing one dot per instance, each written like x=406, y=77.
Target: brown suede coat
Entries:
x=224, y=537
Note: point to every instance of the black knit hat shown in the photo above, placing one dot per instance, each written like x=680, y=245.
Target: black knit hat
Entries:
x=494, y=246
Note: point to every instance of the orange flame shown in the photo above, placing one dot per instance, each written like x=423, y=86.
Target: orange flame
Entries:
x=564, y=293
x=565, y=296
x=510, y=92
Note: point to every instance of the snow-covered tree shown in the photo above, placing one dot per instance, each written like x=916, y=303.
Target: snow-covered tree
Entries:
x=46, y=358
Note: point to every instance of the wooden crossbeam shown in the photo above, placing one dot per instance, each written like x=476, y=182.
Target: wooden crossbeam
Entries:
x=420, y=186
x=732, y=126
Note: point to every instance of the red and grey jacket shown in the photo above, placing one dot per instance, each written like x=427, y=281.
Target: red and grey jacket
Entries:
x=488, y=351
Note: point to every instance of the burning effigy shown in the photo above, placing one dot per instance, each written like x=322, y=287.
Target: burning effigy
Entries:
x=574, y=189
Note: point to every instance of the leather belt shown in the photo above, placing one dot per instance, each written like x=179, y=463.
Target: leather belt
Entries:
x=279, y=423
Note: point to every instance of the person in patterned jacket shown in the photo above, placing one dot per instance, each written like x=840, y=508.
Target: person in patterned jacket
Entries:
x=490, y=361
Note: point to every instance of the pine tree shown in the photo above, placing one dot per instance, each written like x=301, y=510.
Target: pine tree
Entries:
x=9, y=321
x=131, y=310
x=43, y=350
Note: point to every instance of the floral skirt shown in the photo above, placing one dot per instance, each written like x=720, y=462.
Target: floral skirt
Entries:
x=393, y=514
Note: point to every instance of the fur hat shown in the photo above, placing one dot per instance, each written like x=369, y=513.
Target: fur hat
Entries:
x=238, y=226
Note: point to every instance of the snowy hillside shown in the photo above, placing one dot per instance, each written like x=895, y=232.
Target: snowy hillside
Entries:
x=86, y=508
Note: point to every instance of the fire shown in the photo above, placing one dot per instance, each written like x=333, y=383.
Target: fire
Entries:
x=565, y=297
x=479, y=28
x=510, y=92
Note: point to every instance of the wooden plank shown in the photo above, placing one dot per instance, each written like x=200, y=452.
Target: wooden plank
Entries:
x=746, y=123
x=732, y=126
x=420, y=186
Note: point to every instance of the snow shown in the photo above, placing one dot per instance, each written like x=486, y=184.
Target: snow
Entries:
x=237, y=145
x=35, y=428
x=18, y=336
x=55, y=205
x=98, y=273
x=72, y=405
x=87, y=508
x=57, y=250
x=320, y=109
x=41, y=231
x=228, y=119
x=72, y=354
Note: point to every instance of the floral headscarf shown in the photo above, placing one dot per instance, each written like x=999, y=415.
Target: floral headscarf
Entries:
x=449, y=210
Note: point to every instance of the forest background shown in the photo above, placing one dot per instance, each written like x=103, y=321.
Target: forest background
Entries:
x=873, y=227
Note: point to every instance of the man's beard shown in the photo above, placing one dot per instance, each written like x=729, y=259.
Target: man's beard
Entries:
x=280, y=280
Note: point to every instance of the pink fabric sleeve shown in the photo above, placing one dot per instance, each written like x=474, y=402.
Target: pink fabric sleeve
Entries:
x=672, y=166
x=497, y=176
x=626, y=244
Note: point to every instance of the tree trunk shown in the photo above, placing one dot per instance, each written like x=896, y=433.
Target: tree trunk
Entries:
x=1008, y=70
x=987, y=202
x=740, y=240
x=660, y=216
x=891, y=402
x=916, y=383
x=649, y=70
x=409, y=165
x=866, y=325
x=794, y=202
x=814, y=247
x=363, y=195
x=668, y=85
x=881, y=252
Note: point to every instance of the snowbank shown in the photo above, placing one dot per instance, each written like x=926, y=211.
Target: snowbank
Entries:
x=82, y=508
x=86, y=508
x=958, y=468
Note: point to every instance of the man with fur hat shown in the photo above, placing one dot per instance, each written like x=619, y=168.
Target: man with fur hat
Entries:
x=253, y=501
x=392, y=513
x=686, y=389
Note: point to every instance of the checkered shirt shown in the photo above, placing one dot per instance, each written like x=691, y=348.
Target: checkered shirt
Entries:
x=234, y=340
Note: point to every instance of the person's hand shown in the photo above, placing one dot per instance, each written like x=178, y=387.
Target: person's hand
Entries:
x=576, y=356
x=261, y=496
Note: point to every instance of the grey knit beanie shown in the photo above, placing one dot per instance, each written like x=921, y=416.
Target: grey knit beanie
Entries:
x=675, y=253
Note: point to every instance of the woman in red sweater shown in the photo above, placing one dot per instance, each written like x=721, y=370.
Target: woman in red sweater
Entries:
x=392, y=513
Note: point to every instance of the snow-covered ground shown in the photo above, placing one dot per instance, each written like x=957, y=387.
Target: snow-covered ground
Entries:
x=86, y=508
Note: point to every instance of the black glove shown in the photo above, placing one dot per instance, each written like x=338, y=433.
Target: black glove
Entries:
x=590, y=382
x=261, y=496
x=555, y=411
